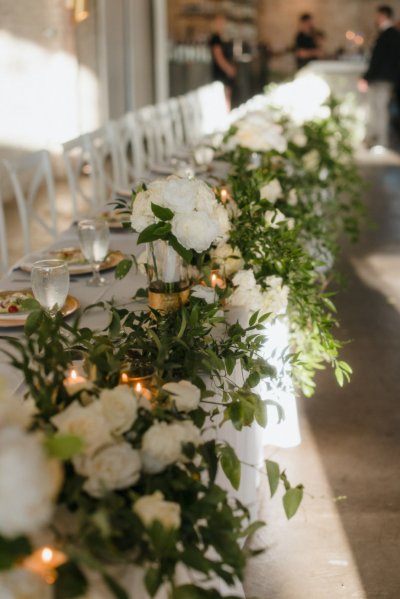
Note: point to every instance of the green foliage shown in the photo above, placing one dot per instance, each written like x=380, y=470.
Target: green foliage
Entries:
x=13, y=550
x=63, y=447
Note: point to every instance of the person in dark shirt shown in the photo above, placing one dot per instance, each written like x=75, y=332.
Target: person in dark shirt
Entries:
x=382, y=76
x=306, y=47
x=223, y=68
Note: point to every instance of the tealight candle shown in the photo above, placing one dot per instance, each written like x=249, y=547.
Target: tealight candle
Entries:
x=44, y=562
x=224, y=195
x=217, y=281
x=140, y=384
x=75, y=382
x=142, y=392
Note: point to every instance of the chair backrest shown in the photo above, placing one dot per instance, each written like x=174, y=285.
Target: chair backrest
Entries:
x=28, y=174
x=147, y=141
x=213, y=107
x=3, y=241
x=93, y=168
x=176, y=116
x=164, y=132
x=191, y=117
x=130, y=148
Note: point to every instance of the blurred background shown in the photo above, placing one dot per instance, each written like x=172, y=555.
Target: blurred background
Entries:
x=69, y=66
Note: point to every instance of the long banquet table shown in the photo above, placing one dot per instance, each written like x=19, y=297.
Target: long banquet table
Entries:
x=248, y=443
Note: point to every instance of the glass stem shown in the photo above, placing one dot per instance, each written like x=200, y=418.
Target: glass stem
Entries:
x=96, y=271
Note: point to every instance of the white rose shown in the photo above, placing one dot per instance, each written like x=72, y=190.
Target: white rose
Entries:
x=244, y=279
x=156, y=191
x=272, y=191
x=87, y=422
x=207, y=294
x=189, y=433
x=323, y=174
x=29, y=482
x=311, y=160
x=185, y=395
x=290, y=223
x=142, y=214
x=113, y=467
x=276, y=297
x=299, y=138
x=119, y=407
x=154, y=508
x=229, y=259
x=162, y=444
x=292, y=198
x=205, y=197
x=195, y=231
x=274, y=217
x=221, y=214
x=247, y=292
x=179, y=195
x=23, y=584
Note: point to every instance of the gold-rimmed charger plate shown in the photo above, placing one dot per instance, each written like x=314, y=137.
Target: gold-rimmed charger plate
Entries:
x=113, y=259
x=18, y=319
x=116, y=219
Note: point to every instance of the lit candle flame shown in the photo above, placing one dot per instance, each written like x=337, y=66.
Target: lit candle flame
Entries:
x=44, y=562
x=214, y=280
x=124, y=378
x=47, y=554
x=74, y=374
x=138, y=388
x=224, y=195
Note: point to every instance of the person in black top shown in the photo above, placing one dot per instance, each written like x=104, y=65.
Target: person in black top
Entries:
x=382, y=76
x=306, y=47
x=223, y=68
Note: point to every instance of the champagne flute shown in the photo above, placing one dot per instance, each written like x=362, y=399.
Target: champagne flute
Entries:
x=50, y=284
x=94, y=238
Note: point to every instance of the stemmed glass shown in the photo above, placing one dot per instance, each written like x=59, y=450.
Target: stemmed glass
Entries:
x=50, y=284
x=94, y=238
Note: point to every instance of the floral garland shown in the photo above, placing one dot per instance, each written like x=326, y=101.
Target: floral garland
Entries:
x=128, y=493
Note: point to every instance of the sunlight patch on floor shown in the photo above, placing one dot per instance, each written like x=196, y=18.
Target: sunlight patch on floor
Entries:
x=308, y=557
x=381, y=271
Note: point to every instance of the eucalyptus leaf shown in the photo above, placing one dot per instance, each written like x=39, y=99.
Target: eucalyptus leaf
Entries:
x=273, y=473
x=230, y=464
x=292, y=500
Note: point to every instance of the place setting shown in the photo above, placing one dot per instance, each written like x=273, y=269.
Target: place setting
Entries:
x=52, y=271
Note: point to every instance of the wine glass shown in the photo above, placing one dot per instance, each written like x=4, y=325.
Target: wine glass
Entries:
x=50, y=284
x=94, y=238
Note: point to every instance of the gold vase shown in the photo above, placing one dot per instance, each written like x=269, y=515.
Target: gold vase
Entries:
x=165, y=302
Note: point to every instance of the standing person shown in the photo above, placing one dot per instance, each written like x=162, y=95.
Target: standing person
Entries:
x=223, y=68
x=306, y=45
x=382, y=76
